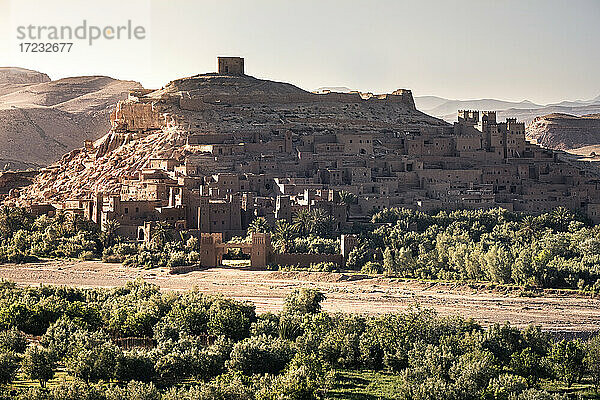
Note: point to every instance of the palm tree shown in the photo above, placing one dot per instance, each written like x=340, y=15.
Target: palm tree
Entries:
x=302, y=221
x=109, y=232
x=259, y=225
x=284, y=234
x=161, y=233
x=347, y=198
x=561, y=218
x=323, y=224
x=75, y=223
x=528, y=226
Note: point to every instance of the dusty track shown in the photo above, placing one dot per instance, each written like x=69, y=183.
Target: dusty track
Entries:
x=344, y=293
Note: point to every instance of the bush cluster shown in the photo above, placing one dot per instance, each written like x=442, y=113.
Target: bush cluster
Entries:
x=553, y=250
x=24, y=239
x=192, y=345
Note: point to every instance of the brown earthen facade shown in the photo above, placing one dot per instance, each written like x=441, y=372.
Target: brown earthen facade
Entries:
x=209, y=160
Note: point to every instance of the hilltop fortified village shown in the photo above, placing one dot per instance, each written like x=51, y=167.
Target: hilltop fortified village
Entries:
x=210, y=153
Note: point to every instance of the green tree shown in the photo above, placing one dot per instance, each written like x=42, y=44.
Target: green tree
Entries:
x=94, y=361
x=13, y=340
x=13, y=219
x=266, y=324
x=75, y=389
x=592, y=360
x=284, y=234
x=59, y=337
x=109, y=232
x=259, y=225
x=162, y=233
x=389, y=262
x=536, y=394
x=302, y=221
x=260, y=355
x=561, y=218
x=134, y=391
x=528, y=227
x=566, y=358
x=300, y=381
x=347, y=198
x=290, y=326
x=38, y=364
x=528, y=365
x=135, y=365
x=323, y=224
x=503, y=341
x=472, y=372
x=9, y=364
x=505, y=387
x=227, y=387
x=498, y=264
x=303, y=301
x=230, y=318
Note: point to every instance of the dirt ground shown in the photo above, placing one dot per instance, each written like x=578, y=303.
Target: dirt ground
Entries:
x=345, y=293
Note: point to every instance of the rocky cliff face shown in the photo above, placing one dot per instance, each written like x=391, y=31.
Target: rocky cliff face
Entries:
x=242, y=108
x=40, y=120
x=565, y=132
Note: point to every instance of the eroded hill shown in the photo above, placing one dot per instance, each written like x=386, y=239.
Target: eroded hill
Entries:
x=564, y=131
x=251, y=112
x=41, y=120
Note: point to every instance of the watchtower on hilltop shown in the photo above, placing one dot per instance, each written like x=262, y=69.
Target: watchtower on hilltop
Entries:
x=230, y=65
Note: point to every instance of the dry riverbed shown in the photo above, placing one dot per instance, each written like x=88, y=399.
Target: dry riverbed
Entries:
x=345, y=293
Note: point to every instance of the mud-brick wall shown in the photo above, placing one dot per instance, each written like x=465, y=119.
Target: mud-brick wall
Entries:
x=305, y=260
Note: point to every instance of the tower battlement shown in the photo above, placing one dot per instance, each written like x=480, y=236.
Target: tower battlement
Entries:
x=470, y=116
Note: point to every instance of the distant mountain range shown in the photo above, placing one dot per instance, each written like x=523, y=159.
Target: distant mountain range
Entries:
x=440, y=107
x=41, y=119
x=525, y=110
x=338, y=89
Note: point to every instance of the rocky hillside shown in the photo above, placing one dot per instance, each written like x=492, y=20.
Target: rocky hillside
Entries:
x=41, y=120
x=244, y=109
x=564, y=131
x=11, y=79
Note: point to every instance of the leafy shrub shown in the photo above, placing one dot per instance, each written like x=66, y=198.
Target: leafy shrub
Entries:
x=266, y=324
x=506, y=387
x=13, y=340
x=135, y=365
x=372, y=268
x=303, y=301
x=9, y=364
x=260, y=355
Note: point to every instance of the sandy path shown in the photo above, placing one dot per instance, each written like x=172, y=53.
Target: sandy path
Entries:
x=345, y=293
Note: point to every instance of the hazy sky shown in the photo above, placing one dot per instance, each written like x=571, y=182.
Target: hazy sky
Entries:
x=544, y=50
